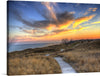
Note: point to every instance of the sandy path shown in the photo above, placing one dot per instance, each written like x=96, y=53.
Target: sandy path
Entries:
x=65, y=67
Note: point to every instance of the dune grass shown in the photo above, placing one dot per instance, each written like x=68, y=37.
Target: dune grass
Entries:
x=33, y=65
x=83, y=61
x=83, y=56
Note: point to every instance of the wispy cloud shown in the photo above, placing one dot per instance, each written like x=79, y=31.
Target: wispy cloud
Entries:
x=61, y=18
x=97, y=22
x=90, y=10
x=54, y=25
x=51, y=12
x=82, y=20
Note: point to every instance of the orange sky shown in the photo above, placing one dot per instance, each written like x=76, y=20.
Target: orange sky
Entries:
x=85, y=27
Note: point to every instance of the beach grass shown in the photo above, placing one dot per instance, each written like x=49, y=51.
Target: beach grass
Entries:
x=33, y=65
x=83, y=56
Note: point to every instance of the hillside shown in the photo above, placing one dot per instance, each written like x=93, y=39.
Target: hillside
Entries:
x=82, y=55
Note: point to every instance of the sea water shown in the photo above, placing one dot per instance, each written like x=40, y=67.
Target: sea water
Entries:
x=20, y=47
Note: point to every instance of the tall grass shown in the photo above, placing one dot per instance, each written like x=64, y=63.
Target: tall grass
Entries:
x=84, y=56
x=83, y=61
x=33, y=65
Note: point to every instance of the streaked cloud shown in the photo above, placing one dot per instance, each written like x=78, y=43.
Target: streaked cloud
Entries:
x=73, y=12
x=86, y=13
x=61, y=18
x=92, y=9
x=97, y=22
x=51, y=27
x=57, y=27
x=54, y=25
x=50, y=8
x=30, y=31
x=66, y=24
x=82, y=20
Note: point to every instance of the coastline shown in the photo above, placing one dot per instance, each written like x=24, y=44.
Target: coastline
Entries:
x=21, y=47
x=79, y=54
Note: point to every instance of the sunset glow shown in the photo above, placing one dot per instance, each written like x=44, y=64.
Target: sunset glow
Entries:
x=35, y=22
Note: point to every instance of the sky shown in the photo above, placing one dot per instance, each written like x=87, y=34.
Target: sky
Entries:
x=47, y=22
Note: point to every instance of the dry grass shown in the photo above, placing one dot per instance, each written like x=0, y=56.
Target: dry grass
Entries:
x=83, y=61
x=84, y=56
x=33, y=65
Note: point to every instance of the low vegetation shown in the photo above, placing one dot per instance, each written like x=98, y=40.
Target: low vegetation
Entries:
x=88, y=61
x=85, y=56
x=82, y=55
x=33, y=65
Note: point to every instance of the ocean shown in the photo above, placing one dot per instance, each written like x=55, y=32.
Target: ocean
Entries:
x=21, y=47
